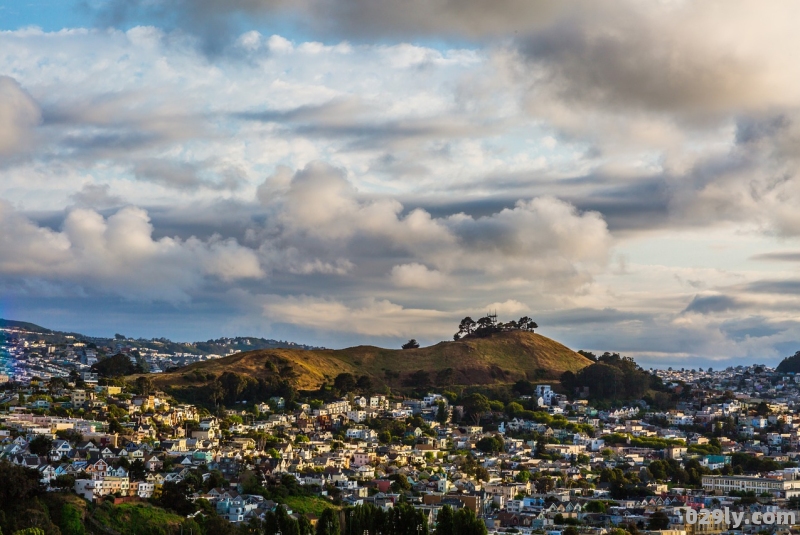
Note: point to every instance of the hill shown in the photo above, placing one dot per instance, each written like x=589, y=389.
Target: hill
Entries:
x=503, y=357
x=790, y=364
x=22, y=325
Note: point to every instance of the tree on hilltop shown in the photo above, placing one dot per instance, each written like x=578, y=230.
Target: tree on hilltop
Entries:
x=488, y=325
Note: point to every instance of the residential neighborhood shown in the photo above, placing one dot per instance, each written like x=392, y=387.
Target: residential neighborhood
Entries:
x=544, y=461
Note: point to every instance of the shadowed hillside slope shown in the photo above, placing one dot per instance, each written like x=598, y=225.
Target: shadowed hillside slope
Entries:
x=501, y=358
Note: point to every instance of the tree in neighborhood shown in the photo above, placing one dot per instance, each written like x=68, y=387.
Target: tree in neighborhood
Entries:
x=476, y=406
x=466, y=523
x=411, y=344
x=344, y=382
x=490, y=444
x=144, y=385
x=445, y=521
x=173, y=496
x=442, y=413
x=328, y=523
x=40, y=445
x=658, y=520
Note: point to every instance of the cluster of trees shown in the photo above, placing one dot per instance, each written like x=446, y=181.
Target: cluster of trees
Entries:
x=116, y=366
x=402, y=519
x=347, y=382
x=230, y=387
x=174, y=498
x=790, y=364
x=460, y=522
x=493, y=444
x=612, y=377
x=489, y=325
x=27, y=509
x=690, y=474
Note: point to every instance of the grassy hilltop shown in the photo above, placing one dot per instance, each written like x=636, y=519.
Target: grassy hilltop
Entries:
x=503, y=357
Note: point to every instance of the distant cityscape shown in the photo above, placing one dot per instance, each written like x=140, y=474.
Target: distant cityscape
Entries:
x=28, y=352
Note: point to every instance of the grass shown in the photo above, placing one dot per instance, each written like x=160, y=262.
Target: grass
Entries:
x=137, y=518
x=307, y=504
x=501, y=358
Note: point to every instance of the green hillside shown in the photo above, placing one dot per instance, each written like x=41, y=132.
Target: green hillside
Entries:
x=503, y=357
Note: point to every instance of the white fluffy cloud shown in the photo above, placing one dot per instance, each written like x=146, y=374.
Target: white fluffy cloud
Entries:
x=544, y=241
x=117, y=255
x=416, y=275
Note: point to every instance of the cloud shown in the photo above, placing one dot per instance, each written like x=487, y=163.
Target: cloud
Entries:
x=416, y=275
x=712, y=304
x=96, y=196
x=19, y=115
x=189, y=175
x=117, y=255
x=542, y=239
x=783, y=256
x=782, y=287
x=371, y=317
x=215, y=20
x=741, y=329
x=375, y=175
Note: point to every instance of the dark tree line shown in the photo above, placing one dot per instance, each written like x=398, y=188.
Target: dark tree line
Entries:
x=116, y=366
x=612, y=377
x=347, y=382
x=402, y=519
x=230, y=387
x=489, y=325
x=790, y=364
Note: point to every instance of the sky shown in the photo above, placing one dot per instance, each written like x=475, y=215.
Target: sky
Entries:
x=343, y=172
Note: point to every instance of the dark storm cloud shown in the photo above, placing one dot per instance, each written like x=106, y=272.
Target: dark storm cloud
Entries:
x=712, y=304
x=635, y=65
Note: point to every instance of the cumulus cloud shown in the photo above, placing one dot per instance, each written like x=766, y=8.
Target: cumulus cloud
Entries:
x=542, y=239
x=117, y=255
x=19, y=115
x=416, y=275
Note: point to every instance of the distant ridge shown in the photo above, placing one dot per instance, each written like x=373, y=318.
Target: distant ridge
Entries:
x=23, y=325
x=217, y=346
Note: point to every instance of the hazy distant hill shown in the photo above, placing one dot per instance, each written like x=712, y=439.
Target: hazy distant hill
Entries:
x=24, y=325
x=501, y=358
